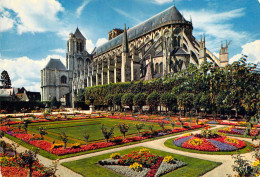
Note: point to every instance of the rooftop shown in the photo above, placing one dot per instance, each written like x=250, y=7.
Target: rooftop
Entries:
x=170, y=14
x=55, y=64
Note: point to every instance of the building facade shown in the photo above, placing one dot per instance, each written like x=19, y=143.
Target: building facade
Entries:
x=54, y=81
x=159, y=46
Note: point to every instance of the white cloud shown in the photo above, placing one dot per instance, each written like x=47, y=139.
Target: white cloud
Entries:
x=162, y=1
x=59, y=50
x=6, y=23
x=34, y=15
x=25, y=72
x=252, y=50
x=216, y=26
x=101, y=41
x=89, y=45
x=80, y=8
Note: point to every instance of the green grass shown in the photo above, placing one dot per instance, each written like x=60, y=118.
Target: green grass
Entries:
x=169, y=143
x=88, y=167
x=75, y=129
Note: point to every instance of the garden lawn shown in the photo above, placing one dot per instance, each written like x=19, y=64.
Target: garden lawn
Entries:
x=248, y=148
x=89, y=167
x=75, y=129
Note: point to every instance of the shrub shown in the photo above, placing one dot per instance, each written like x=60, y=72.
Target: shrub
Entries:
x=139, y=127
x=64, y=138
x=107, y=134
x=123, y=128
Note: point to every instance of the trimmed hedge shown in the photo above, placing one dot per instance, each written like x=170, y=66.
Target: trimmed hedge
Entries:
x=101, y=91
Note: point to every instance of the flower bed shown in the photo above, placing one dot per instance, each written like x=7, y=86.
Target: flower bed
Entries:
x=211, y=144
x=142, y=164
x=239, y=131
x=47, y=146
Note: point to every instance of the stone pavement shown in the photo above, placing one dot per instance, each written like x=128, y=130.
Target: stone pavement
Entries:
x=220, y=171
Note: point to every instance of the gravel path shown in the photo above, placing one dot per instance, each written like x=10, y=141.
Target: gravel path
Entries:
x=220, y=171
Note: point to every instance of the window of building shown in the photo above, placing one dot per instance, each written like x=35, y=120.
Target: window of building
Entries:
x=63, y=79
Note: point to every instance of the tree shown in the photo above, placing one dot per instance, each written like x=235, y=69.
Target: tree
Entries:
x=139, y=127
x=167, y=100
x=153, y=100
x=86, y=137
x=172, y=124
x=25, y=125
x=123, y=128
x=117, y=100
x=27, y=159
x=140, y=100
x=42, y=132
x=64, y=138
x=185, y=100
x=109, y=100
x=127, y=100
x=6, y=79
x=162, y=125
x=107, y=134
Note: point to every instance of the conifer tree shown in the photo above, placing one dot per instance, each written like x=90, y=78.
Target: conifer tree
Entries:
x=6, y=79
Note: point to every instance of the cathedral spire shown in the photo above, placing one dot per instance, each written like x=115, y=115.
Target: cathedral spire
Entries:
x=125, y=42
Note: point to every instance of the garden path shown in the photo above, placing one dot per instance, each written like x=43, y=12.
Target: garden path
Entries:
x=220, y=171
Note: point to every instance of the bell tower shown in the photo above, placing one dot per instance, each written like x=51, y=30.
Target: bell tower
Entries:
x=223, y=55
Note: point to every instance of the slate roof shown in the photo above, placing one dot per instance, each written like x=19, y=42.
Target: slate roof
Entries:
x=180, y=51
x=55, y=64
x=33, y=96
x=167, y=15
x=78, y=34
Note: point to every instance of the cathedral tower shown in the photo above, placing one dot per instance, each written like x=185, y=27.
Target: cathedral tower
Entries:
x=223, y=55
x=202, y=51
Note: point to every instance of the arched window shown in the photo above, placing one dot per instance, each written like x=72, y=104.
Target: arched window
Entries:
x=63, y=79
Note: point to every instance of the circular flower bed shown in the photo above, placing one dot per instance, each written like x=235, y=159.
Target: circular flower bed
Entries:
x=209, y=142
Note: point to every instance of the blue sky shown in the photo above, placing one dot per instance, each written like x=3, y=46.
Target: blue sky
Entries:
x=32, y=31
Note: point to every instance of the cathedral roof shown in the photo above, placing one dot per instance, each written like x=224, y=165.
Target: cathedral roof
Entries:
x=170, y=14
x=55, y=64
x=180, y=51
x=78, y=34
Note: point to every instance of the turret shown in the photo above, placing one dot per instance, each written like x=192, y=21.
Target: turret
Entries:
x=202, y=51
x=223, y=55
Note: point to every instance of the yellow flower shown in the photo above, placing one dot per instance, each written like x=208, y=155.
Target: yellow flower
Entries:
x=168, y=159
x=144, y=150
x=196, y=142
x=256, y=163
x=136, y=167
x=115, y=156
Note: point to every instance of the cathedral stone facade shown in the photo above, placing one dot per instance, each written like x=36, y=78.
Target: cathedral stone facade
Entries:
x=54, y=81
x=159, y=46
